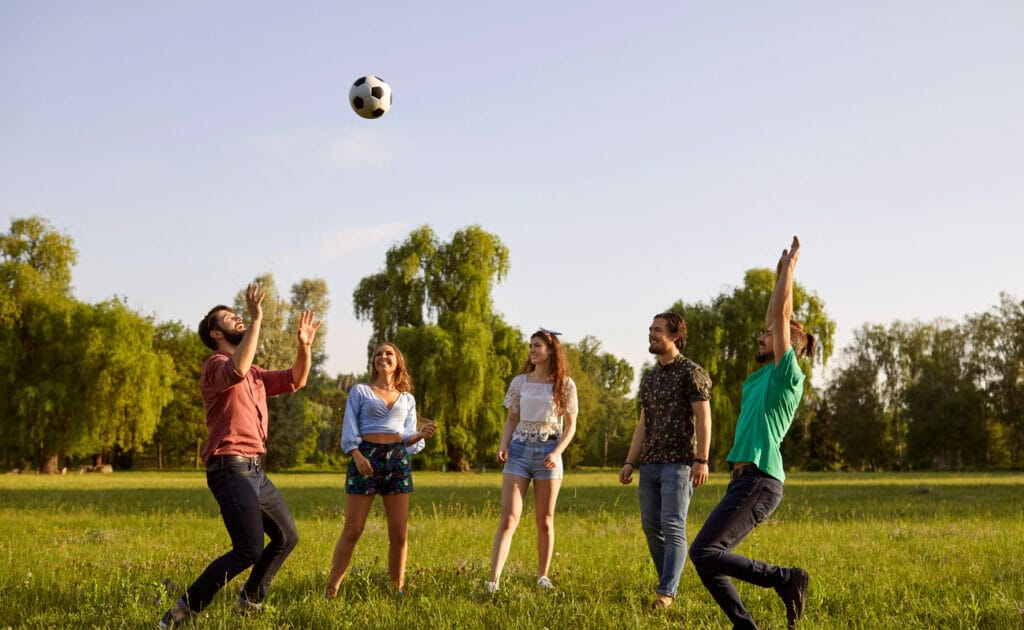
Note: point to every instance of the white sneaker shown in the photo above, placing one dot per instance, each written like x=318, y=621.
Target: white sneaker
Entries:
x=491, y=587
x=544, y=582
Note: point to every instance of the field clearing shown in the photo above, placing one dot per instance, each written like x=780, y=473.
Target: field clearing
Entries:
x=883, y=551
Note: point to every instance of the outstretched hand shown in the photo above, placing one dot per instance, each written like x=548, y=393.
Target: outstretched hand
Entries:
x=254, y=301
x=307, y=328
x=789, y=256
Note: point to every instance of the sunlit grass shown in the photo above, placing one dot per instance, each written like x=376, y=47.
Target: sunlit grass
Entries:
x=912, y=550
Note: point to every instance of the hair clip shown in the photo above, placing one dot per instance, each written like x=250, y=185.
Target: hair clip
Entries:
x=553, y=333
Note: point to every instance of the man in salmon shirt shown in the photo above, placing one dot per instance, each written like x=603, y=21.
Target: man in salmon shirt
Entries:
x=235, y=397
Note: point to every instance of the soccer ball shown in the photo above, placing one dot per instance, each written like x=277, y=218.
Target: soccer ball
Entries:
x=370, y=96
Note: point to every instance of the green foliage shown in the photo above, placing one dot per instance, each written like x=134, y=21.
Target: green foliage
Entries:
x=607, y=414
x=996, y=347
x=933, y=395
x=129, y=382
x=433, y=299
x=722, y=338
x=182, y=427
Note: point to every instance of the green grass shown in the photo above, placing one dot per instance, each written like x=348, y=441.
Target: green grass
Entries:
x=884, y=551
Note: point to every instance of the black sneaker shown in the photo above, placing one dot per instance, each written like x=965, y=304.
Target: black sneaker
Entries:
x=794, y=595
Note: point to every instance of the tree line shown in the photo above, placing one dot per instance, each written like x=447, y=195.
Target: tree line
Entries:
x=102, y=383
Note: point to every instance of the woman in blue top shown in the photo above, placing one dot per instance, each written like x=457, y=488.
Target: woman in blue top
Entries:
x=379, y=433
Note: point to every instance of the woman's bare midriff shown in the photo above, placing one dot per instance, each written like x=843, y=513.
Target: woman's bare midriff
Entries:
x=381, y=438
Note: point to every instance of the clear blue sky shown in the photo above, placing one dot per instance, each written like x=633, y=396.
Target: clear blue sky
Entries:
x=629, y=155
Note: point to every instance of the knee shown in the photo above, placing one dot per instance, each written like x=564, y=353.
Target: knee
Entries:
x=700, y=556
x=545, y=525
x=290, y=540
x=249, y=551
x=397, y=538
x=508, y=522
x=350, y=534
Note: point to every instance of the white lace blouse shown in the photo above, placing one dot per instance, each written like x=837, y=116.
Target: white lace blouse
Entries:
x=538, y=418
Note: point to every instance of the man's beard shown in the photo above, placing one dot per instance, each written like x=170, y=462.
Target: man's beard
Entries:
x=653, y=348
x=233, y=336
x=765, y=357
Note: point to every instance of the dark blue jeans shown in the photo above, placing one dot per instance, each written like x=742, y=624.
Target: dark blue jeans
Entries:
x=251, y=506
x=750, y=498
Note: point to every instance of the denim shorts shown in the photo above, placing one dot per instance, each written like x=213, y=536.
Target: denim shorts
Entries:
x=525, y=459
x=392, y=472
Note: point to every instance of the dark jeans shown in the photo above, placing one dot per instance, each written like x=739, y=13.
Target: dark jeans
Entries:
x=750, y=498
x=251, y=506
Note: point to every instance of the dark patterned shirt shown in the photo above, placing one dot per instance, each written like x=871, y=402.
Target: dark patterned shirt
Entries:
x=665, y=398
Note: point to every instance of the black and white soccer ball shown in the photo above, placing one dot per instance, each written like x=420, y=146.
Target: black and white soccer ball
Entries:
x=370, y=96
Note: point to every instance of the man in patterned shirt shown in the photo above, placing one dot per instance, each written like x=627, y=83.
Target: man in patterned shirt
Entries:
x=670, y=446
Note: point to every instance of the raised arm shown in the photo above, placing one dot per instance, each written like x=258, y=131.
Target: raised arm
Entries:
x=304, y=356
x=780, y=305
x=245, y=353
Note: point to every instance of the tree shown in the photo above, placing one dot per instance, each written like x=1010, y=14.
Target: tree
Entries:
x=40, y=399
x=996, y=341
x=130, y=382
x=607, y=413
x=946, y=410
x=722, y=339
x=182, y=427
x=433, y=299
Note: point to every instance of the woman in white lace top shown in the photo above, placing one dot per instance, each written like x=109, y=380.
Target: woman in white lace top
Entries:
x=542, y=407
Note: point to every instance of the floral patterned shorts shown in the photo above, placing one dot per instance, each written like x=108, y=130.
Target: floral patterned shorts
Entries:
x=392, y=473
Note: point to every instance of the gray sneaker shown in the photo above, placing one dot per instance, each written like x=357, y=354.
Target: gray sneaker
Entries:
x=246, y=605
x=177, y=615
x=794, y=595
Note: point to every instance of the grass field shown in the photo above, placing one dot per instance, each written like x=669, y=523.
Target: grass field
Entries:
x=883, y=551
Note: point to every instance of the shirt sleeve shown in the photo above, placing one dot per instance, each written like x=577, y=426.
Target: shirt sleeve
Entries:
x=572, y=401
x=513, y=394
x=350, y=434
x=410, y=428
x=276, y=381
x=700, y=388
x=219, y=373
x=785, y=376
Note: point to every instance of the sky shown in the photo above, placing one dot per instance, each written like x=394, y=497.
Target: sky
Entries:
x=628, y=155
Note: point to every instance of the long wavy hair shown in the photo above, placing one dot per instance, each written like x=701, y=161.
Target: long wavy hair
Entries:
x=403, y=380
x=558, y=367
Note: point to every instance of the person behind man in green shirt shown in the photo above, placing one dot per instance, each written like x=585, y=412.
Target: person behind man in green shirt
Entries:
x=770, y=399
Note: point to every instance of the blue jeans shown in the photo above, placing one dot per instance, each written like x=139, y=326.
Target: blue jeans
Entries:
x=750, y=498
x=250, y=505
x=665, y=491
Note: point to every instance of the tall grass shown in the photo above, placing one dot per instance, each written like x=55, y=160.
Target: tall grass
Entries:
x=884, y=551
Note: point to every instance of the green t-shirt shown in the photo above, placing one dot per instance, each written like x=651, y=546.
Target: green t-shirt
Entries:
x=770, y=398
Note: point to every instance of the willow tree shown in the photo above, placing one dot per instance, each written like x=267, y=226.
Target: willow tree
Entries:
x=433, y=299
x=722, y=338
x=40, y=386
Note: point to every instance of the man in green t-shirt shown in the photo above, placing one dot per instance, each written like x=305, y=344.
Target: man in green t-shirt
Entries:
x=770, y=398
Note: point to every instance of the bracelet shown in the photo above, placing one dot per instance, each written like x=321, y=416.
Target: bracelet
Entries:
x=700, y=460
x=631, y=464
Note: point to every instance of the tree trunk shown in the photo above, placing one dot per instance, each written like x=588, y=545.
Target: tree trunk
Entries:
x=199, y=452
x=159, y=456
x=456, y=460
x=49, y=464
